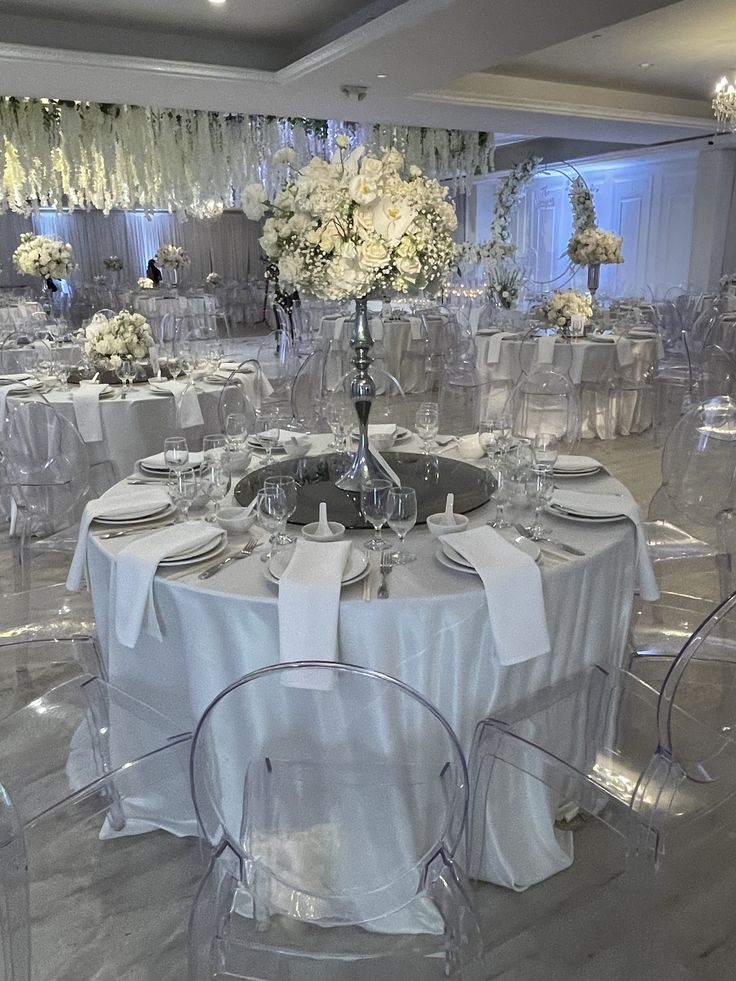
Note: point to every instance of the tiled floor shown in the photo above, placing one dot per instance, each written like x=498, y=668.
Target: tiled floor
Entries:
x=117, y=910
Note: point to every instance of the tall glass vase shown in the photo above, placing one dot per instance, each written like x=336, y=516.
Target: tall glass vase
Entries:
x=594, y=278
x=362, y=391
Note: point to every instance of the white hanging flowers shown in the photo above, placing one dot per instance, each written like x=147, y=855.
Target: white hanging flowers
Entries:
x=38, y=255
x=124, y=337
x=354, y=225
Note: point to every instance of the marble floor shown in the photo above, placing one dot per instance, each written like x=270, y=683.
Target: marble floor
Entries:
x=117, y=910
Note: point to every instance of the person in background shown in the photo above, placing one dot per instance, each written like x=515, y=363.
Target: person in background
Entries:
x=153, y=272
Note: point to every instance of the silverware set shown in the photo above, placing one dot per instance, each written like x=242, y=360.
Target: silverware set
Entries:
x=124, y=532
x=563, y=546
x=247, y=550
x=385, y=569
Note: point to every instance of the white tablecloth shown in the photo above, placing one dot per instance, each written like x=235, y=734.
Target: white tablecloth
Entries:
x=589, y=362
x=433, y=633
x=156, y=303
x=18, y=315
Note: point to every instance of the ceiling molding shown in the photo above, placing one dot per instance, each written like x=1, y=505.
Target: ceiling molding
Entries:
x=559, y=108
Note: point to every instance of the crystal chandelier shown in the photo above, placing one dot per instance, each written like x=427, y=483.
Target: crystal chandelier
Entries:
x=724, y=103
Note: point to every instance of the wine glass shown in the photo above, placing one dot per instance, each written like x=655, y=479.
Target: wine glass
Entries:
x=337, y=418
x=427, y=423
x=271, y=510
x=174, y=366
x=374, y=505
x=402, y=516
x=187, y=363
x=214, y=448
x=126, y=372
x=216, y=482
x=546, y=450
x=502, y=474
x=183, y=486
x=267, y=425
x=487, y=437
x=236, y=430
x=290, y=488
x=540, y=488
x=62, y=372
x=176, y=452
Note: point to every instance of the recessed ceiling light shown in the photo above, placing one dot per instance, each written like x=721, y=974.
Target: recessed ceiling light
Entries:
x=381, y=75
x=645, y=64
x=217, y=3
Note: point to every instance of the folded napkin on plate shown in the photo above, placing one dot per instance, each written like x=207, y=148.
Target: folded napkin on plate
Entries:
x=610, y=505
x=382, y=429
x=546, y=349
x=188, y=412
x=376, y=327
x=415, y=324
x=135, y=570
x=571, y=463
x=285, y=436
x=513, y=586
x=158, y=461
x=624, y=351
x=129, y=504
x=309, y=604
x=333, y=326
x=493, y=350
x=86, y=401
x=13, y=378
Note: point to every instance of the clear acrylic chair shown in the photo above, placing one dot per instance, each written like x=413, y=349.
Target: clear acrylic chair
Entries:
x=279, y=363
x=234, y=400
x=648, y=763
x=331, y=796
x=307, y=392
x=546, y=401
x=691, y=514
x=64, y=788
x=390, y=404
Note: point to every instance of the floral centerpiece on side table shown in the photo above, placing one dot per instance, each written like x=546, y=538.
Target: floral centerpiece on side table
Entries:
x=109, y=342
x=144, y=283
x=353, y=227
x=589, y=245
x=562, y=306
x=38, y=255
x=213, y=279
x=505, y=280
x=113, y=263
x=172, y=258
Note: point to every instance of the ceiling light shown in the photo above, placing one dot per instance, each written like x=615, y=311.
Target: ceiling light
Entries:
x=724, y=103
x=217, y=3
x=645, y=64
x=381, y=75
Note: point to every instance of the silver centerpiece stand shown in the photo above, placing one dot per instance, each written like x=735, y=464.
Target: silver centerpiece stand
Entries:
x=364, y=466
x=594, y=278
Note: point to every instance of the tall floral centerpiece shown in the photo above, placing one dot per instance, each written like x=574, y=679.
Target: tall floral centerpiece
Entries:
x=349, y=228
x=589, y=245
x=38, y=255
x=172, y=258
x=114, y=265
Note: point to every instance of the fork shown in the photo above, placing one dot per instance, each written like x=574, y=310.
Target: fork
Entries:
x=248, y=549
x=385, y=569
x=123, y=533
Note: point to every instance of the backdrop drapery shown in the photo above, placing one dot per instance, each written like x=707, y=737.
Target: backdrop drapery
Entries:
x=228, y=246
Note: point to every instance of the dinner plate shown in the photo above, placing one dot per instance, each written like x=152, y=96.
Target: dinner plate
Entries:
x=567, y=474
x=356, y=568
x=602, y=338
x=586, y=518
x=161, y=511
x=194, y=462
x=402, y=434
x=209, y=551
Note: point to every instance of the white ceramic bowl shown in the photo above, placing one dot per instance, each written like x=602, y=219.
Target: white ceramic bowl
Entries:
x=235, y=520
x=437, y=524
x=469, y=447
x=309, y=532
x=382, y=441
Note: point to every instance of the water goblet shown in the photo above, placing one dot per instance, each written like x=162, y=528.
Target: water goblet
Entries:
x=290, y=489
x=374, y=505
x=214, y=449
x=546, y=447
x=182, y=487
x=487, y=437
x=176, y=452
x=174, y=366
x=267, y=425
x=427, y=423
x=402, y=516
x=540, y=488
x=271, y=511
x=216, y=482
x=502, y=475
x=62, y=372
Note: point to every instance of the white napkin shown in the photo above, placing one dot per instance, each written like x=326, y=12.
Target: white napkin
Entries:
x=546, y=349
x=188, y=412
x=605, y=505
x=474, y=317
x=493, y=350
x=415, y=323
x=13, y=378
x=286, y=436
x=624, y=351
x=134, y=572
x=513, y=586
x=333, y=326
x=376, y=328
x=86, y=401
x=309, y=604
x=141, y=501
x=158, y=461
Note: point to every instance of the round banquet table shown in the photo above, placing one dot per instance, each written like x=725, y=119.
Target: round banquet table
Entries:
x=592, y=361
x=154, y=304
x=433, y=633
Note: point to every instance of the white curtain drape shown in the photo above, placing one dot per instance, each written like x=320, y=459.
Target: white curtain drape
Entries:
x=228, y=246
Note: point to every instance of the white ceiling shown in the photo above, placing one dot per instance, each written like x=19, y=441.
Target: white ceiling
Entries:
x=512, y=66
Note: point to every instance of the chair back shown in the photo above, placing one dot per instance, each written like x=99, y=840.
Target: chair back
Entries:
x=546, y=401
x=233, y=399
x=336, y=787
x=307, y=391
x=717, y=372
x=278, y=361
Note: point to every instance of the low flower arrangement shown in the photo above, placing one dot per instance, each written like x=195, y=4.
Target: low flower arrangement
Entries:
x=213, y=279
x=593, y=245
x=505, y=280
x=355, y=226
x=172, y=257
x=38, y=255
x=124, y=337
x=563, y=305
x=113, y=263
x=144, y=283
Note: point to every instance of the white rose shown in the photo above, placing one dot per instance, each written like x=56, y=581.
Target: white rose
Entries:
x=363, y=222
x=409, y=267
x=374, y=254
x=342, y=141
x=391, y=218
x=289, y=270
x=392, y=160
x=254, y=201
x=371, y=168
x=363, y=190
x=406, y=247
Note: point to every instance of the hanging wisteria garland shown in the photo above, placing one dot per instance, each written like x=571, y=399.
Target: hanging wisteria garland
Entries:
x=87, y=155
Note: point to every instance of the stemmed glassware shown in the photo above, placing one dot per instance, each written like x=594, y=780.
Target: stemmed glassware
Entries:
x=402, y=516
x=374, y=505
x=183, y=487
x=267, y=425
x=214, y=449
x=271, y=510
x=174, y=366
x=176, y=452
x=290, y=489
x=546, y=448
x=62, y=372
x=502, y=474
x=540, y=488
x=126, y=372
x=216, y=482
x=338, y=417
x=427, y=424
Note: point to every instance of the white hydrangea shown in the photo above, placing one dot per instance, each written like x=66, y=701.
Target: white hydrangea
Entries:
x=354, y=225
x=171, y=256
x=124, y=337
x=38, y=255
x=144, y=283
x=593, y=245
x=560, y=308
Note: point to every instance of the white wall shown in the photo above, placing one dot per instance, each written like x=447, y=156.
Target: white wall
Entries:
x=649, y=199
